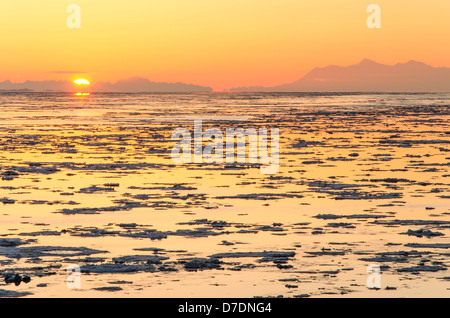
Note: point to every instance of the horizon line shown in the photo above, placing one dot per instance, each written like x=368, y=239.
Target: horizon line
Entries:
x=83, y=74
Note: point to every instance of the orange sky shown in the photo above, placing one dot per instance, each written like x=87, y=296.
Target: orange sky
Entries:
x=217, y=43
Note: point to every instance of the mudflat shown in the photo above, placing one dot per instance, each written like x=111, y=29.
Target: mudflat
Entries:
x=89, y=191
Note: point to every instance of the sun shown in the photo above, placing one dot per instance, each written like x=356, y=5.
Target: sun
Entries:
x=81, y=81
x=82, y=91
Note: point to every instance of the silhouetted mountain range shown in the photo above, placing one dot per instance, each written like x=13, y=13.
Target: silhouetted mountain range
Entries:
x=131, y=85
x=367, y=76
x=139, y=85
x=37, y=86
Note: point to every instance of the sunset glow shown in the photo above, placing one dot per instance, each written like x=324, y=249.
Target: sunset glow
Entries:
x=220, y=44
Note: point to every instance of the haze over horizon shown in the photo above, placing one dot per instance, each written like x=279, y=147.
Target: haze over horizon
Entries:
x=365, y=76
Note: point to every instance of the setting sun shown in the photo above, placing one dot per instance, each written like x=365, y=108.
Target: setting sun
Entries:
x=81, y=81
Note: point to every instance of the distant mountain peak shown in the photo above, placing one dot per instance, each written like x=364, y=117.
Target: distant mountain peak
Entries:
x=368, y=62
x=414, y=63
x=369, y=76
